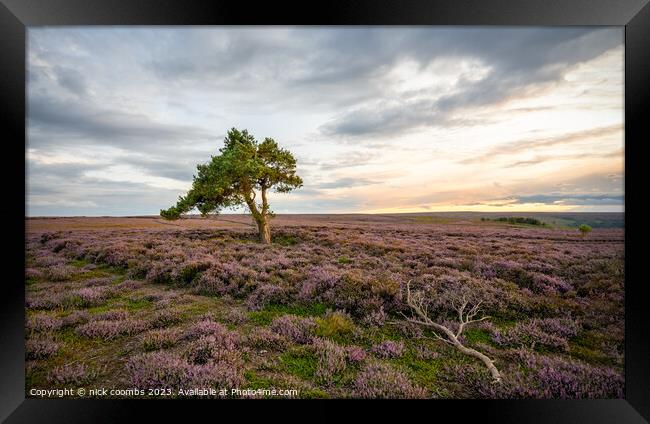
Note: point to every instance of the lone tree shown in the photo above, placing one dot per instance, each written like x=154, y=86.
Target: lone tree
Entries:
x=584, y=230
x=244, y=168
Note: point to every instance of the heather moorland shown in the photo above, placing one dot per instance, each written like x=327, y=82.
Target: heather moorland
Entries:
x=323, y=309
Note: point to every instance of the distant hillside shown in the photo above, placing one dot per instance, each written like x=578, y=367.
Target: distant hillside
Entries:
x=556, y=219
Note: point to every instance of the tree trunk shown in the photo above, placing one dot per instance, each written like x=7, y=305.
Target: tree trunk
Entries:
x=264, y=230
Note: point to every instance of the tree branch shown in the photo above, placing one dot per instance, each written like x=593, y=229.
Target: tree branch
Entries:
x=418, y=305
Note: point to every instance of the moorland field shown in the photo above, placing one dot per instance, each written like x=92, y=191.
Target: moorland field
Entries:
x=147, y=303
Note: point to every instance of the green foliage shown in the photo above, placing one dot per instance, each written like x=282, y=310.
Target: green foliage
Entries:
x=300, y=361
x=477, y=335
x=189, y=272
x=231, y=178
x=584, y=229
x=285, y=240
x=344, y=260
x=516, y=220
x=334, y=325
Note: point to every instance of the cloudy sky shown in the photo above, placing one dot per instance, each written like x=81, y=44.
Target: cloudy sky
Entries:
x=380, y=119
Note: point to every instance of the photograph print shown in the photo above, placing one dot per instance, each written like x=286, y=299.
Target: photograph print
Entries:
x=429, y=212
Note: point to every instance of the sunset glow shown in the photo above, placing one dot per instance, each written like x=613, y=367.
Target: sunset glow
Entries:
x=381, y=120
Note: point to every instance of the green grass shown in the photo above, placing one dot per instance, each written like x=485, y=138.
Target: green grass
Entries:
x=299, y=361
x=108, y=306
x=31, y=281
x=344, y=260
x=285, y=240
x=477, y=335
x=586, y=346
x=79, y=263
x=313, y=394
x=138, y=304
x=87, y=275
x=423, y=372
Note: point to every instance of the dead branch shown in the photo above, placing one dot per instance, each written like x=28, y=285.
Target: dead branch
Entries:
x=419, y=306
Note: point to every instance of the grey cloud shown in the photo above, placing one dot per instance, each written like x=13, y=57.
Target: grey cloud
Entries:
x=96, y=197
x=67, y=171
x=307, y=66
x=347, y=160
x=346, y=183
x=251, y=73
x=180, y=168
x=518, y=58
x=83, y=120
x=72, y=80
x=573, y=199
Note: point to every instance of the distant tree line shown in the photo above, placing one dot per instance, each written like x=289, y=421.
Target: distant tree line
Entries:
x=516, y=220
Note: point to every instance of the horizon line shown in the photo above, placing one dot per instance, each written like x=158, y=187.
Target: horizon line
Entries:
x=331, y=213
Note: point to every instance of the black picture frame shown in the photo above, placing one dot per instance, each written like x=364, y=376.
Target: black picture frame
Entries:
x=17, y=15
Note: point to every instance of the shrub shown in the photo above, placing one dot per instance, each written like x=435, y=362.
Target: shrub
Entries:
x=111, y=329
x=207, y=327
x=263, y=338
x=50, y=301
x=127, y=285
x=188, y=272
x=75, y=317
x=356, y=354
x=33, y=273
x=160, y=339
x=584, y=230
x=40, y=347
x=388, y=349
x=334, y=324
x=409, y=330
x=166, y=318
x=208, y=348
x=264, y=295
x=331, y=360
x=554, y=377
x=160, y=272
x=110, y=316
x=236, y=316
x=226, y=278
x=298, y=330
x=546, y=284
x=551, y=333
x=355, y=292
x=76, y=374
x=379, y=380
x=60, y=272
x=88, y=296
x=518, y=220
x=44, y=323
x=162, y=369
x=376, y=318
x=319, y=280
x=97, y=282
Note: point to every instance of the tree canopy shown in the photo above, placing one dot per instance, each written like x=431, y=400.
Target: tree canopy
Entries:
x=244, y=168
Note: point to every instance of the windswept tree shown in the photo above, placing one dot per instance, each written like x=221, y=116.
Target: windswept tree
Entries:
x=584, y=230
x=243, y=173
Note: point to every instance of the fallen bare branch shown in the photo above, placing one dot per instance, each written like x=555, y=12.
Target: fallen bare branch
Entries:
x=419, y=306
